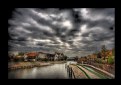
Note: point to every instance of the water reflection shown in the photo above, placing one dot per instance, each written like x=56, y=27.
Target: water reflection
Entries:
x=56, y=71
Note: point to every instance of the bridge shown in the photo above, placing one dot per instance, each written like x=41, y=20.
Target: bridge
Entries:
x=70, y=58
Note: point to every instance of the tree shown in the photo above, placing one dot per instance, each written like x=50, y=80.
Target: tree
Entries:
x=103, y=51
x=10, y=57
x=96, y=51
x=65, y=57
x=113, y=50
x=76, y=58
x=99, y=55
x=103, y=48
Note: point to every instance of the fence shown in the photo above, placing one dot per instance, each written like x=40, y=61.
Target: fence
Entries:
x=70, y=72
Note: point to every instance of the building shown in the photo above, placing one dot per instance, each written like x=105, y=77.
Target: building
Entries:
x=58, y=56
x=50, y=56
x=32, y=56
x=42, y=56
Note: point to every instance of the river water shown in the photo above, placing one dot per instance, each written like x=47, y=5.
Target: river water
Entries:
x=56, y=71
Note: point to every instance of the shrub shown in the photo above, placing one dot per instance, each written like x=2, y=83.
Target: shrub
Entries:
x=20, y=54
x=111, y=60
x=98, y=60
x=18, y=58
x=104, y=61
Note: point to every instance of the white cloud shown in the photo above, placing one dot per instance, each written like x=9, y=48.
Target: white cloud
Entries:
x=26, y=24
x=59, y=40
x=40, y=26
x=88, y=14
x=67, y=24
x=41, y=14
x=83, y=28
x=84, y=11
x=44, y=41
x=53, y=15
x=63, y=24
x=66, y=45
x=19, y=28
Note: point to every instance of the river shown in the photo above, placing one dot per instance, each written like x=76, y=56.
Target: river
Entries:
x=56, y=71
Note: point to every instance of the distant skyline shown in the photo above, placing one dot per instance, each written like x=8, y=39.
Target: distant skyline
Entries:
x=75, y=32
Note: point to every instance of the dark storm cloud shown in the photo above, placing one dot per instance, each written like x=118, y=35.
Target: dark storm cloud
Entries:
x=79, y=30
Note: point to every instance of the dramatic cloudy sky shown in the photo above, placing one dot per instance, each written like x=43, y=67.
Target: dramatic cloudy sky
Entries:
x=77, y=31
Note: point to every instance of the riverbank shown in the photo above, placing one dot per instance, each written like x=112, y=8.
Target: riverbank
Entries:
x=23, y=65
x=84, y=71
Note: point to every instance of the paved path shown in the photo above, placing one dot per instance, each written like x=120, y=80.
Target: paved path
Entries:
x=78, y=73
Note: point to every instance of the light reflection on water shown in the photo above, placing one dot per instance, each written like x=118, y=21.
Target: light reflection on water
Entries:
x=56, y=71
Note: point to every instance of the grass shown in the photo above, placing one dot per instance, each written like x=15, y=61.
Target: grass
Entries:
x=94, y=72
